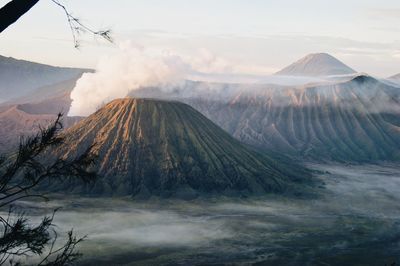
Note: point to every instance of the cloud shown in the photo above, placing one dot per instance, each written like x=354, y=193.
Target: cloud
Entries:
x=384, y=13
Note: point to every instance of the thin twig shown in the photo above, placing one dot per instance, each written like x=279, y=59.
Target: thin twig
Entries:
x=77, y=26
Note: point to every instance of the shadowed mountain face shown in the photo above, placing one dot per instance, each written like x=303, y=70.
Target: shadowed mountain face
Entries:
x=357, y=120
x=19, y=78
x=150, y=147
x=315, y=65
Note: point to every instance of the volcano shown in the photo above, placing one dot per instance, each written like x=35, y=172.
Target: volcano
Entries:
x=153, y=147
x=316, y=65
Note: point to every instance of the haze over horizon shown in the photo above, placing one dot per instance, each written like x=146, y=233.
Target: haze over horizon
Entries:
x=254, y=38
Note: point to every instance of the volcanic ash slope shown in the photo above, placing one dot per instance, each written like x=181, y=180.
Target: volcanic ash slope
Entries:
x=152, y=147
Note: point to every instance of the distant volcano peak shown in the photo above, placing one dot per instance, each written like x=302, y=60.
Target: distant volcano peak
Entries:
x=316, y=65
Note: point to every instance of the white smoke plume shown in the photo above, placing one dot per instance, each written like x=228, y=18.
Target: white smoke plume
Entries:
x=133, y=67
x=128, y=69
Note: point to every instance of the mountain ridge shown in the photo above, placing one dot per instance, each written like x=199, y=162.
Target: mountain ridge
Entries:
x=19, y=77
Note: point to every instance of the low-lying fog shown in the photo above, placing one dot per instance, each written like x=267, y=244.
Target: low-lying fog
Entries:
x=355, y=222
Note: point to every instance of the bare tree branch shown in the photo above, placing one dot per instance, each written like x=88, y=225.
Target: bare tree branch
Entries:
x=13, y=10
x=78, y=27
x=20, y=174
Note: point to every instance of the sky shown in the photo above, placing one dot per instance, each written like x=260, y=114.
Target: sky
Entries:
x=256, y=36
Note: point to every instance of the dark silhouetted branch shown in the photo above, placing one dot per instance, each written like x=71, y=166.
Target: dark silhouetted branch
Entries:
x=13, y=10
x=20, y=174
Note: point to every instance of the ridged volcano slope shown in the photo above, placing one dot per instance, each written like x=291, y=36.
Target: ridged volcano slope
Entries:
x=152, y=147
x=355, y=120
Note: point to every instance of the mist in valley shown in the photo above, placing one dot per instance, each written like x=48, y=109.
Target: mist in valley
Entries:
x=355, y=219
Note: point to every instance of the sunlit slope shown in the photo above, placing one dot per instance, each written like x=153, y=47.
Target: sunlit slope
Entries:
x=150, y=147
x=17, y=122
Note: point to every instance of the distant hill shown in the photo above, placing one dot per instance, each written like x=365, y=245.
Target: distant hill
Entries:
x=316, y=65
x=168, y=149
x=17, y=122
x=23, y=116
x=19, y=78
